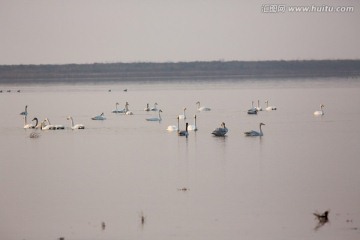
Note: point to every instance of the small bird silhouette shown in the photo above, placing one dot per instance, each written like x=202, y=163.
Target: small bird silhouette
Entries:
x=103, y=226
x=322, y=218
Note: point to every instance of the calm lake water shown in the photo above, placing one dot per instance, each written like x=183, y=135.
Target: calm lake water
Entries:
x=66, y=183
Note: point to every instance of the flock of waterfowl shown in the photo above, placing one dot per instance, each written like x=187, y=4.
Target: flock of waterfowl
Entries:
x=219, y=132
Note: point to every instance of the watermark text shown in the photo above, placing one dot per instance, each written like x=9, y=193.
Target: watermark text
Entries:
x=282, y=8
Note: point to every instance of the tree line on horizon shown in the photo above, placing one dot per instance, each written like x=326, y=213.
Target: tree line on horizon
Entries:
x=179, y=70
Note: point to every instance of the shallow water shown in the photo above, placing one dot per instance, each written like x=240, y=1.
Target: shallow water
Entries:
x=66, y=183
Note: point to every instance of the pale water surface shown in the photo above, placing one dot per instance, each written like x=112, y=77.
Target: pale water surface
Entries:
x=66, y=183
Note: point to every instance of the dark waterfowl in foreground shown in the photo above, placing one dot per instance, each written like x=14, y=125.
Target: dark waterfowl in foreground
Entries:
x=221, y=131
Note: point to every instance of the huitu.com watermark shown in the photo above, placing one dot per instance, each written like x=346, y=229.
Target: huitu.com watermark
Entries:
x=282, y=8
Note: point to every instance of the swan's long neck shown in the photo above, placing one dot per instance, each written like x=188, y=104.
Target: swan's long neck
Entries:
x=178, y=123
x=184, y=113
x=252, y=104
x=258, y=103
x=47, y=121
x=25, y=120
x=72, y=121
x=127, y=107
x=159, y=115
x=267, y=103
x=36, y=122
x=261, y=133
x=195, y=121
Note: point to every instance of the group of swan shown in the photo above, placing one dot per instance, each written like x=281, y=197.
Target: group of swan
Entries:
x=255, y=110
x=117, y=110
x=221, y=131
x=46, y=125
x=147, y=109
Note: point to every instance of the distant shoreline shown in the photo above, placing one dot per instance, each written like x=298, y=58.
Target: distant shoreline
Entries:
x=148, y=71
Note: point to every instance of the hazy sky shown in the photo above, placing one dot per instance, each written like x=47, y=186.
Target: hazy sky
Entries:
x=88, y=31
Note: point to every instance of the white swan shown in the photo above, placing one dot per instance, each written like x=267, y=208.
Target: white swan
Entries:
x=200, y=109
x=258, y=108
x=25, y=113
x=154, y=108
x=47, y=126
x=172, y=128
x=147, y=108
x=269, y=108
x=221, y=131
x=127, y=111
x=193, y=127
x=155, y=118
x=99, y=117
x=77, y=126
x=118, y=110
x=320, y=112
x=252, y=110
x=57, y=126
x=253, y=133
x=26, y=124
x=183, y=116
x=185, y=132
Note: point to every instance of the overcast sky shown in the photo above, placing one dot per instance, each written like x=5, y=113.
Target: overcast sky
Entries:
x=88, y=31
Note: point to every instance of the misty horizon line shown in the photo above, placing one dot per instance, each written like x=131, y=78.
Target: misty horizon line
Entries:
x=189, y=61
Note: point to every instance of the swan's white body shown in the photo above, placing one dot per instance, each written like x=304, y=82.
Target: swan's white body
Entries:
x=183, y=116
x=193, y=127
x=253, y=133
x=47, y=126
x=57, y=126
x=99, y=117
x=319, y=112
x=77, y=126
x=221, y=131
x=25, y=113
x=173, y=128
x=252, y=110
x=26, y=124
x=258, y=108
x=155, y=118
x=184, y=133
x=127, y=111
x=154, y=108
x=269, y=108
x=147, y=108
x=202, y=109
x=118, y=110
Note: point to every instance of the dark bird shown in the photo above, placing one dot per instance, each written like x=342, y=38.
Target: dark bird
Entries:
x=185, y=132
x=103, y=226
x=322, y=219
